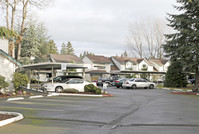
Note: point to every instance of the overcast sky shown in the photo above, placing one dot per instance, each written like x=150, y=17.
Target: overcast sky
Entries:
x=99, y=26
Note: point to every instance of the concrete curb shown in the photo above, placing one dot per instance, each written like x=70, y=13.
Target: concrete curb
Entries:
x=18, y=98
x=10, y=120
x=68, y=94
x=36, y=96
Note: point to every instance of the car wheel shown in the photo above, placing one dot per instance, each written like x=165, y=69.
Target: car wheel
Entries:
x=118, y=86
x=58, y=89
x=133, y=87
x=151, y=86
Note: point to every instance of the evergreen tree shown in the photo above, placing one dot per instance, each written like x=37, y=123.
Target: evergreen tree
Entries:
x=144, y=68
x=69, y=49
x=63, y=48
x=174, y=76
x=52, y=47
x=183, y=46
x=125, y=54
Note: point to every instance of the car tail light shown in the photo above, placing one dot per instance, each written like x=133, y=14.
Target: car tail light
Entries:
x=127, y=82
x=117, y=81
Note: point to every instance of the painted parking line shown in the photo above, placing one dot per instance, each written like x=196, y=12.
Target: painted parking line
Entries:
x=49, y=104
x=36, y=96
x=55, y=110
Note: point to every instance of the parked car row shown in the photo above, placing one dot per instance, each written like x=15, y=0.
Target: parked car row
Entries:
x=100, y=81
x=127, y=83
x=76, y=82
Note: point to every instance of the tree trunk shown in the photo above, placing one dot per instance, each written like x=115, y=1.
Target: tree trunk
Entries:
x=7, y=14
x=18, y=51
x=13, y=14
x=197, y=79
x=25, y=11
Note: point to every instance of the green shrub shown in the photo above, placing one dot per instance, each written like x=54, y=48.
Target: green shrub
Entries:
x=3, y=83
x=19, y=80
x=89, y=88
x=175, y=76
x=92, y=89
x=98, y=91
x=71, y=90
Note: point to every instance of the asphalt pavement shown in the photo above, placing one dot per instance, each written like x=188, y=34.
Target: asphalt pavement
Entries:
x=140, y=111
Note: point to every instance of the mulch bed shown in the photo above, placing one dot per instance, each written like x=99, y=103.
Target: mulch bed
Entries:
x=185, y=93
x=6, y=116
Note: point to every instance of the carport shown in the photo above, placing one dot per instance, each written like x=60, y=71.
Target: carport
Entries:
x=140, y=72
x=51, y=66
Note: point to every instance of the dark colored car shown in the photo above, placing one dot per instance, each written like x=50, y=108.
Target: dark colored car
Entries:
x=118, y=83
x=100, y=81
x=64, y=78
x=191, y=81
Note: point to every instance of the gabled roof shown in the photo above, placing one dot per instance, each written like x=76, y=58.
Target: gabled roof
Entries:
x=65, y=58
x=159, y=62
x=99, y=59
x=123, y=60
x=9, y=58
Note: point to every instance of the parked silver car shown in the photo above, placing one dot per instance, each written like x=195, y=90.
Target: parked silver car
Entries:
x=138, y=83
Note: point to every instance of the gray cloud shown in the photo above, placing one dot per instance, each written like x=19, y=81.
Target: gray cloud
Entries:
x=99, y=25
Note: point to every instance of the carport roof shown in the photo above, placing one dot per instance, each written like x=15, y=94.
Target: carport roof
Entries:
x=50, y=65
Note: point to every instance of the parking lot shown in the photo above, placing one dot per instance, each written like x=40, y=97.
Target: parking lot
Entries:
x=144, y=111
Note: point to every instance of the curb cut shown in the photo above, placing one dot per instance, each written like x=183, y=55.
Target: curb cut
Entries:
x=10, y=120
x=12, y=99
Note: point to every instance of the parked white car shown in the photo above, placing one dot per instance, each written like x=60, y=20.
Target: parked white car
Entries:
x=73, y=83
x=138, y=83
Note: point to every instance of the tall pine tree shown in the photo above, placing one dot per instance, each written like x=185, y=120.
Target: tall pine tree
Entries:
x=69, y=49
x=183, y=45
x=174, y=76
x=63, y=48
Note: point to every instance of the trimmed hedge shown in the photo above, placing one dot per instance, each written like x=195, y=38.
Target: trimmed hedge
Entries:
x=92, y=89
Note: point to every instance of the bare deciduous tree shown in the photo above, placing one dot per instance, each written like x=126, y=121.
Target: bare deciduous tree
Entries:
x=146, y=38
x=23, y=6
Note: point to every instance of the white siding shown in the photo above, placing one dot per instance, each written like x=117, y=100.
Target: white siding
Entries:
x=4, y=45
x=7, y=70
x=88, y=63
x=150, y=68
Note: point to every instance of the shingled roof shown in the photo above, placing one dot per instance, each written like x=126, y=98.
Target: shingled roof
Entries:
x=123, y=60
x=159, y=62
x=65, y=58
x=99, y=59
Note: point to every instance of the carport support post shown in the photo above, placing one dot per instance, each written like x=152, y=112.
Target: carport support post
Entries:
x=38, y=78
x=83, y=73
x=52, y=74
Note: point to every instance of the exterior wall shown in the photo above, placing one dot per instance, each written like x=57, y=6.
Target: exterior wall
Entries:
x=4, y=45
x=120, y=66
x=7, y=70
x=165, y=67
x=150, y=68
